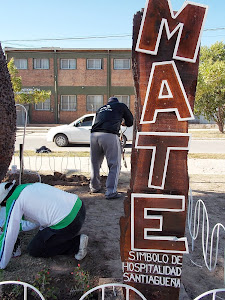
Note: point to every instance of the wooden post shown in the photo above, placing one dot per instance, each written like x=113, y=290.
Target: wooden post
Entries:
x=21, y=163
x=165, y=69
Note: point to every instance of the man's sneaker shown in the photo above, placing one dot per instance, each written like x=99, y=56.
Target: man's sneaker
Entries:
x=17, y=252
x=113, y=196
x=92, y=190
x=17, y=249
x=83, y=247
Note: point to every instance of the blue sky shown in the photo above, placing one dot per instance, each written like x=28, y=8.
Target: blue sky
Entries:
x=81, y=23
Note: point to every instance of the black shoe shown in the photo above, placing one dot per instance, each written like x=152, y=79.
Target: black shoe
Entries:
x=113, y=196
x=94, y=191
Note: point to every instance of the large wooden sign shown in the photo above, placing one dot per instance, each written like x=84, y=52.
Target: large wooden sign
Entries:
x=165, y=68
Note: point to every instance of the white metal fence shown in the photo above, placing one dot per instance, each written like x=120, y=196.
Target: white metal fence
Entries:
x=25, y=288
x=210, y=243
x=215, y=294
x=117, y=290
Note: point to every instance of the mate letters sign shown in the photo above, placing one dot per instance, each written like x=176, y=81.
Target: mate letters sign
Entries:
x=165, y=58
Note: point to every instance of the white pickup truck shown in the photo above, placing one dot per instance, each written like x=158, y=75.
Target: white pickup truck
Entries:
x=78, y=132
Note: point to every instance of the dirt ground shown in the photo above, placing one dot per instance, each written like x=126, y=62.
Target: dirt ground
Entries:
x=102, y=227
x=196, y=278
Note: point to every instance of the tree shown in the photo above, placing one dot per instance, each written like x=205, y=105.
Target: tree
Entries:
x=7, y=117
x=31, y=95
x=210, y=95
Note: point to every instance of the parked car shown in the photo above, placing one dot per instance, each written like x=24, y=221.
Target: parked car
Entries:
x=79, y=132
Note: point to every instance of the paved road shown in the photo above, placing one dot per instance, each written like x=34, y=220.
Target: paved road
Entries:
x=207, y=146
x=82, y=164
x=36, y=140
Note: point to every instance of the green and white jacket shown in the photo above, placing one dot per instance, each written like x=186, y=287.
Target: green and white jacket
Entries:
x=39, y=203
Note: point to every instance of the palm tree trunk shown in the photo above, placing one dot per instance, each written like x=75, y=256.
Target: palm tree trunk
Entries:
x=7, y=117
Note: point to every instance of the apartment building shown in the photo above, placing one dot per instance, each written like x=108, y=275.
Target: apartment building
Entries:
x=80, y=80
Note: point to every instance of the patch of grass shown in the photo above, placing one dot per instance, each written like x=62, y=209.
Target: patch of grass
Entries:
x=127, y=155
x=207, y=155
x=205, y=134
x=56, y=154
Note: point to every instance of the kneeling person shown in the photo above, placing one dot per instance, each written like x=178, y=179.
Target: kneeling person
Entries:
x=58, y=214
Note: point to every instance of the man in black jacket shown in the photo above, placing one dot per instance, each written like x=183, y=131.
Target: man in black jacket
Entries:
x=105, y=142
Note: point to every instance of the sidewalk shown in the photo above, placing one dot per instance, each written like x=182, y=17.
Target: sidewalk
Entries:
x=35, y=128
x=46, y=127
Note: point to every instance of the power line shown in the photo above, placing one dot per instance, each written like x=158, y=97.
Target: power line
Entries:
x=69, y=38
x=214, y=29
x=89, y=37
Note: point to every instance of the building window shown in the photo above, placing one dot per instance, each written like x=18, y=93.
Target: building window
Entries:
x=94, y=64
x=122, y=64
x=94, y=102
x=67, y=64
x=43, y=105
x=124, y=99
x=20, y=63
x=68, y=103
x=41, y=63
